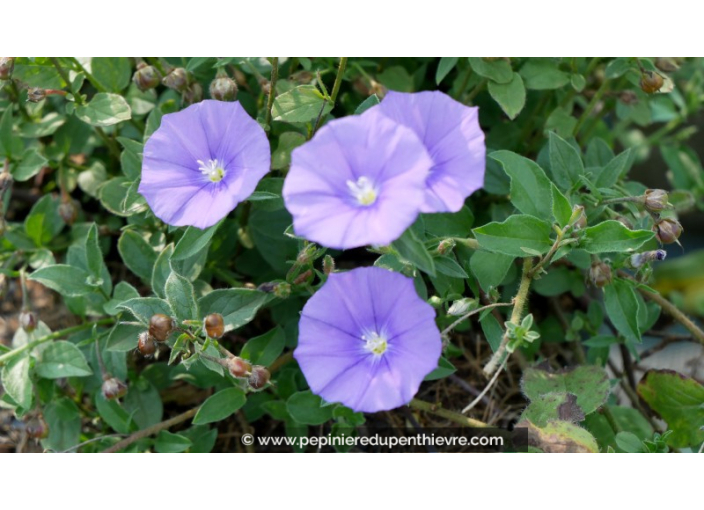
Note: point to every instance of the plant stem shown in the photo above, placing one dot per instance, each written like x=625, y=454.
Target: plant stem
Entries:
x=53, y=336
x=446, y=413
x=149, y=431
x=272, y=90
x=675, y=313
x=620, y=200
x=476, y=90
x=519, y=303
x=486, y=389
x=335, y=90
x=590, y=107
x=469, y=314
x=606, y=412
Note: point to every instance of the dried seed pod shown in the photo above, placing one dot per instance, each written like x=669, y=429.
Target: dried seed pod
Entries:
x=238, y=367
x=176, y=79
x=655, y=200
x=35, y=94
x=223, y=88
x=146, y=344
x=37, y=428
x=214, y=325
x=259, y=377
x=651, y=82
x=667, y=231
x=68, y=210
x=146, y=77
x=7, y=65
x=113, y=388
x=600, y=274
x=161, y=326
x=28, y=320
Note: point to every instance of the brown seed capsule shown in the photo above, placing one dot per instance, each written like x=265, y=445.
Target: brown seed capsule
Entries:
x=259, y=377
x=655, y=200
x=667, y=231
x=68, y=211
x=28, y=321
x=35, y=94
x=193, y=94
x=7, y=65
x=238, y=367
x=37, y=428
x=177, y=79
x=146, y=77
x=113, y=388
x=214, y=325
x=223, y=88
x=651, y=82
x=161, y=326
x=600, y=274
x=666, y=64
x=146, y=344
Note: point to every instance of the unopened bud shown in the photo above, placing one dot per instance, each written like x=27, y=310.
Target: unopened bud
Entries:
x=446, y=246
x=37, y=428
x=267, y=287
x=640, y=259
x=304, y=277
x=223, y=88
x=35, y=94
x=214, y=325
x=161, y=326
x=259, y=377
x=5, y=181
x=628, y=97
x=238, y=367
x=655, y=200
x=146, y=77
x=328, y=265
x=667, y=231
x=68, y=211
x=176, y=79
x=193, y=94
x=666, y=64
x=7, y=65
x=282, y=290
x=462, y=306
x=306, y=254
x=600, y=274
x=146, y=344
x=651, y=82
x=113, y=388
x=435, y=301
x=28, y=321
x=578, y=219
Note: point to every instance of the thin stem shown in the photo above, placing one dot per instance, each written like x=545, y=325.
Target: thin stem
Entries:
x=470, y=243
x=64, y=76
x=272, y=90
x=53, y=336
x=590, y=107
x=25, y=296
x=675, y=313
x=89, y=76
x=469, y=314
x=446, y=413
x=620, y=200
x=476, y=90
x=465, y=82
x=606, y=412
x=149, y=431
x=486, y=389
x=335, y=90
x=516, y=315
x=101, y=363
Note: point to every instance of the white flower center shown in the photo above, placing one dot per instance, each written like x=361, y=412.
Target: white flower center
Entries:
x=363, y=191
x=213, y=170
x=375, y=343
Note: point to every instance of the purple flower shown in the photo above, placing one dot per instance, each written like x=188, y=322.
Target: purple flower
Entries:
x=452, y=136
x=367, y=340
x=359, y=181
x=202, y=162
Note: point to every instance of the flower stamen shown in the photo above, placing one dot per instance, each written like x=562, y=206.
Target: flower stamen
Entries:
x=213, y=170
x=375, y=343
x=363, y=191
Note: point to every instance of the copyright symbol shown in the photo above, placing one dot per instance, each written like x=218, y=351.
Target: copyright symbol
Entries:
x=247, y=439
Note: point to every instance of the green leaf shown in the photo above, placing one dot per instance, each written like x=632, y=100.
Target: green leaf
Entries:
x=131, y=157
x=414, y=251
x=306, y=408
x=220, y=405
x=445, y=65
x=543, y=75
x=281, y=157
x=62, y=359
x=565, y=162
x=123, y=337
x=513, y=235
x=64, y=422
x=144, y=404
x=168, y=442
x=553, y=406
x=531, y=190
x=193, y=241
x=203, y=438
x=448, y=266
x=622, y=308
x=123, y=291
x=498, y=70
x=598, y=153
x=237, y=306
x=629, y=442
x=16, y=381
x=113, y=414
x=444, y=369
x=113, y=73
x=264, y=349
x=68, y=281
x=181, y=297
x=162, y=270
x=457, y=224
x=44, y=222
x=301, y=104
x=7, y=141
x=618, y=67
x=590, y=385
x=614, y=170
x=104, y=110
x=560, y=437
x=37, y=72
x=679, y=400
x=94, y=256
x=137, y=254
x=144, y=308
x=396, y=78
x=490, y=269
x=30, y=165
x=613, y=236
x=511, y=96
x=372, y=100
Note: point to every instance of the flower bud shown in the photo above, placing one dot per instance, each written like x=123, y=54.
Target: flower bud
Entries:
x=640, y=259
x=5, y=181
x=666, y=64
x=146, y=77
x=161, y=326
x=259, y=377
x=446, y=246
x=667, y=231
x=655, y=200
x=113, y=388
x=193, y=94
x=267, y=287
x=214, y=325
x=462, y=306
x=176, y=79
x=304, y=277
x=435, y=301
x=651, y=82
x=328, y=264
x=146, y=344
x=223, y=88
x=37, y=428
x=282, y=290
x=7, y=65
x=600, y=274
x=35, y=94
x=238, y=367
x=578, y=219
x=28, y=321
x=68, y=211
